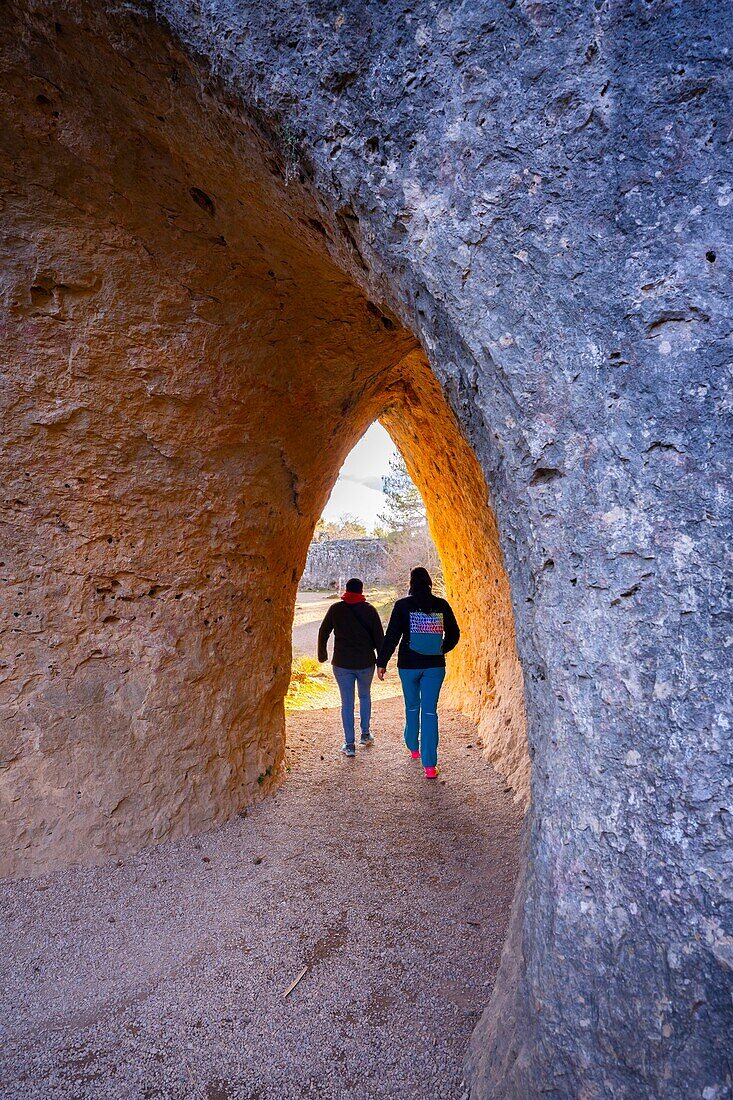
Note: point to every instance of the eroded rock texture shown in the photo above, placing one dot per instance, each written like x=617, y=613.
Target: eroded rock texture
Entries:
x=190, y=370
x=226, y=224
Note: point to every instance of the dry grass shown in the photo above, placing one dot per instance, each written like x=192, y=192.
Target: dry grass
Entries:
x=309, y=684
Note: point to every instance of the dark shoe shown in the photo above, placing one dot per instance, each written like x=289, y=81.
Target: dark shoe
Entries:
x=348, y=750
x=366, y=739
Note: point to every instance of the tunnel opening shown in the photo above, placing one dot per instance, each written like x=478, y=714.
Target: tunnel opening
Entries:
x=484, y=679
x=373, y=527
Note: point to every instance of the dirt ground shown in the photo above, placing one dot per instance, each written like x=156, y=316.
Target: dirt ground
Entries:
x=164, y=974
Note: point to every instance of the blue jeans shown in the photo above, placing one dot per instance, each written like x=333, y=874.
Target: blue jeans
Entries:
x=348, y=679
x=421, y=688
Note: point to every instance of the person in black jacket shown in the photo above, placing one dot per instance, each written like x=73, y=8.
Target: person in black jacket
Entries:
x=426, y=629
x=358, y=634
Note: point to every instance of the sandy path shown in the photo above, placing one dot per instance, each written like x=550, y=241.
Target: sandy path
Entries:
x=309, y=611
x=163, y=975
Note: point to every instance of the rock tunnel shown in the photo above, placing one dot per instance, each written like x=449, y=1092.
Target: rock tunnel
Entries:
x=213, y=369
x=211, y=291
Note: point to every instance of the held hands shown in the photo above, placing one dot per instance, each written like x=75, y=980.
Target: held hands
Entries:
x=381, y=672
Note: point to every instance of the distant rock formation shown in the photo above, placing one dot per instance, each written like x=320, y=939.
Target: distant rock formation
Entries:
x=331, y=562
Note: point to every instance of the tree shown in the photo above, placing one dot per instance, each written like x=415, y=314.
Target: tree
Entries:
x=404, y=509
x=409, y=542
x=345, y=526
x=405, y=550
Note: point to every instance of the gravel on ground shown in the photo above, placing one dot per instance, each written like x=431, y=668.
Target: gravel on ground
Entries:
x=163, y=975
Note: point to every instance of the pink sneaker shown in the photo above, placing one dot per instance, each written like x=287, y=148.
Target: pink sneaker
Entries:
x=431, y=773
x=415, y=755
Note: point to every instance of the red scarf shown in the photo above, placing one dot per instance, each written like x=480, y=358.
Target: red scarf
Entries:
x=353, y=597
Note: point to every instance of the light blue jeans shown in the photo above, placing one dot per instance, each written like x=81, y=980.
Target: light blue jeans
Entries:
x=348, y=679
x=421, y=688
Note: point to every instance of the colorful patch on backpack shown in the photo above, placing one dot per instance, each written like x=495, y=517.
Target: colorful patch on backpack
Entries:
x=426, y=632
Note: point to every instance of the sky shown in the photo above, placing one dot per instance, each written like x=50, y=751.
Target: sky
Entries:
x=358, y=490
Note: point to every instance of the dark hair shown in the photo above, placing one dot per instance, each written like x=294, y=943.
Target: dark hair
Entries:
x=355, y=585
x=420, y=581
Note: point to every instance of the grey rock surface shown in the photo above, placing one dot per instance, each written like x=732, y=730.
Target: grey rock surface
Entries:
x=332, y=562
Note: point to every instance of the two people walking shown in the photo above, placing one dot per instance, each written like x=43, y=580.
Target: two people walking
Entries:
x=424, y=628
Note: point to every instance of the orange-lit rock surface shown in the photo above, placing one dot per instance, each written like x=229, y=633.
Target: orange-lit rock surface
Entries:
x=188, y=370
x=484, y=674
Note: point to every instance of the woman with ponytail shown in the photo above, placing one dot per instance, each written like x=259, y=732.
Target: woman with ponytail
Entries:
x=425, y=628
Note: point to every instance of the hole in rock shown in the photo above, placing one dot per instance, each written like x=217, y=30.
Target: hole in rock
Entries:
x=544, y=475
x=232, y=384
x=41, y=296
x=436, y=513
x=202, y=199
x=374, y=527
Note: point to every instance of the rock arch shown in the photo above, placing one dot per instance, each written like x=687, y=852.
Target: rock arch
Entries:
x=200, y=369
x=478, y=184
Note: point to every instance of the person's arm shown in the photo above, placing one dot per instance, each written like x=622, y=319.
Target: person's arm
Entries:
x=324, y=634
x=451, y=630
x=377, y=630
x=395, y=630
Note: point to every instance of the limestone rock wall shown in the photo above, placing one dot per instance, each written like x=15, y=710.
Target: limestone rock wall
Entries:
x=333, y=561
x=538, y=193
x=188, y=368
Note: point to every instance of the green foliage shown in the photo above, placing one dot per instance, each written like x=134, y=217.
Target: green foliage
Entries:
x=408, y=548
x=380, y=532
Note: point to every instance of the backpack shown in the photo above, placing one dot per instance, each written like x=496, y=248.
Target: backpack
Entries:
x=426, y=633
